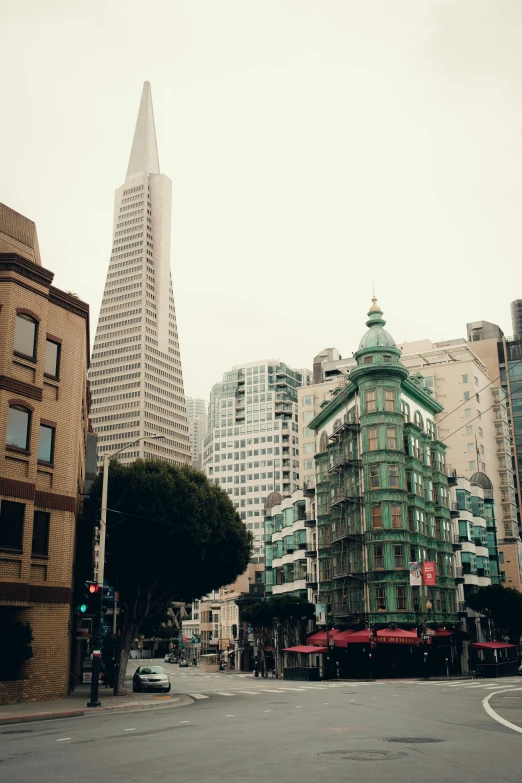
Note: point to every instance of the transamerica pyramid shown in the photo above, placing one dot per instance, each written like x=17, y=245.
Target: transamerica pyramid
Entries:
x=136, y=377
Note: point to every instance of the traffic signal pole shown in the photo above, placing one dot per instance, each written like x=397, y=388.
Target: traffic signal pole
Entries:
x=97, y=630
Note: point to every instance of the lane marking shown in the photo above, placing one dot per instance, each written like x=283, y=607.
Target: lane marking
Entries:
x=231, y=716
x=184, y=721
x=224, y=693
x=129, y=729
x=64, y=739
x=492, y=714
x=197, y=696
x=298, y=706
x=251, y=693
x=267, y=710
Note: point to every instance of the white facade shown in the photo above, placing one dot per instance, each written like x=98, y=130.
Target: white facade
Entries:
x=136, y=377
x=197, y=424
x=252, y=444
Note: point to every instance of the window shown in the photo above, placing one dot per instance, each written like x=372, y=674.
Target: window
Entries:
x=309, y=448
x=372, y=439
x=308, y=400
x=438, y=531
x=398, y=557
x=386, y=358
x=40, y=545
x=52, y=359
x=380, y=597
x=469, y=429
x=466, y=396
x=389, y=400
x=376, y=516
x=11, y=525
x=368, y=360
x=374, y=477
x=370, y=401
x=471, y=448
x=308, y=416
x=46, y=443
x=378, y=557
x=411, y=520
x=418, y=419
x=464, y=379
x=25, y=336
x=18, y=426
x=393, y=474
x=396, y=516
x=392, y=437
x=401, y=599
x=405, y=410
x=472, y=464
x=467, y=413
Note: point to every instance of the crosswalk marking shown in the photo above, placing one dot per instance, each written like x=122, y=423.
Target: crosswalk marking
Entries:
x=251, y=693
x=224, y=693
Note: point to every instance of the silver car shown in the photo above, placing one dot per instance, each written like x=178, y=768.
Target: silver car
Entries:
x=150, y=678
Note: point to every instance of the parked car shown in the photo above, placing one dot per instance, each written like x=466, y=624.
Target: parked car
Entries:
x=183, y=662
x=150, y=678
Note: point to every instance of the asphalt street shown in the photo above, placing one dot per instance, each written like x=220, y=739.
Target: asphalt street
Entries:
x=244, y=729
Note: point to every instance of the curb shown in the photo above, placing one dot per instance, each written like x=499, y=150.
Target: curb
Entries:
x=15, y=719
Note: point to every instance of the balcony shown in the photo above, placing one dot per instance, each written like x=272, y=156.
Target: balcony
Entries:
x=457, y=543
x=452, y=478
x=461, y=609
x=340, y=461
x=342, y=495
x=310, y=552
x=454, y=510
x=459, y=575
x=311, y=580
x=308, y=489
x=309, y=520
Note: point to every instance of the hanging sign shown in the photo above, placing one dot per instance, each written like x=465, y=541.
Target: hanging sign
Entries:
x=415, y=574
x=428, y=573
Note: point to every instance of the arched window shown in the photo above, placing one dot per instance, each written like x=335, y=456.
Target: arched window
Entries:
x=418, y=420
x=26, y=332
x=18, y=427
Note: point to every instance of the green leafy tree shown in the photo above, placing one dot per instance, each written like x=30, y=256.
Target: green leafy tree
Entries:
x=175, y=536
x=279, y=621
x=502, y=606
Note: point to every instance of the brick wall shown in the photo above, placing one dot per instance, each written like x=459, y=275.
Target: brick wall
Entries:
x=52, y=488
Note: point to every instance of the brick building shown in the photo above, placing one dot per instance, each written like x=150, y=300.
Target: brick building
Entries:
x=44, y=405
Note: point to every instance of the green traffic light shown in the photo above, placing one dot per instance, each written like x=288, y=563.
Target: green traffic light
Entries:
x=82, y=608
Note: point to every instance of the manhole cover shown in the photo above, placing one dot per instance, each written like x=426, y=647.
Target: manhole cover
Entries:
x=412, y=740
x=364, y=755
x=18, y=731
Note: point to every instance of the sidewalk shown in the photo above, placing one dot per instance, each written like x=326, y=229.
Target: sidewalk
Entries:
x=75, y=705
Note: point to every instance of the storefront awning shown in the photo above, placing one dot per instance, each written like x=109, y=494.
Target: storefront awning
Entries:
x=353, y=637
x=306, y=649
x=319, y=637
x=440, y=632
x=397, y=636
x=491, y=645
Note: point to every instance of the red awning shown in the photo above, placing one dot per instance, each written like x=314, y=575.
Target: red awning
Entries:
x=353, y=637
x=440, y=632
x=319, y=637
x=306, y=649
x=397, y=636
x=491, y=645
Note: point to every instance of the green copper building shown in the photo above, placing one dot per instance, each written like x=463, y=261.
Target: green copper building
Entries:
x=382, y=502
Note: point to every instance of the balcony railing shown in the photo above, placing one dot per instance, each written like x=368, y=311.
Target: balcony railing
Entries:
x=461, y=607
x=459, y=573
x=342, y=495
x=454, y=509
x=311, y=579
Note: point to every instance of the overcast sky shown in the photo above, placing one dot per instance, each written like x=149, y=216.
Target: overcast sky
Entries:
x=314, y=146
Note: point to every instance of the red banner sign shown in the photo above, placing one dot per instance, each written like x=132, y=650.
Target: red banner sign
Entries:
x=428, y=573
x=397, y=640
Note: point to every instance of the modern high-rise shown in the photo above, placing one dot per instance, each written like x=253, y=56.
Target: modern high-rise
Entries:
x=516, y=318
x=252, y=443
x=136, y=377
x=197, y=424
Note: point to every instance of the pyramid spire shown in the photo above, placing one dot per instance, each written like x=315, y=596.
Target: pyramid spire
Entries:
x=144, y=153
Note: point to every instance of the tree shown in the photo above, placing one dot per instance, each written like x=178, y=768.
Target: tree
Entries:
x=502, y=606
x=278, y=621
x=174, y=536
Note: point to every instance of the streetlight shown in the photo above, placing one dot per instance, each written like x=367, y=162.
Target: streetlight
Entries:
x=428, y=606
x=94, y=701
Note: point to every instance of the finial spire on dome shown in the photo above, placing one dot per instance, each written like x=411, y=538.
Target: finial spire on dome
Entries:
x=375, y=307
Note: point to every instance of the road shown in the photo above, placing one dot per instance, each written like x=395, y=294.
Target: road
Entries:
x=241, y=729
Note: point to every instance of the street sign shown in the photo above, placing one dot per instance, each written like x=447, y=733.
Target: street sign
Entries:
x=415, y=574
x=87, y=677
